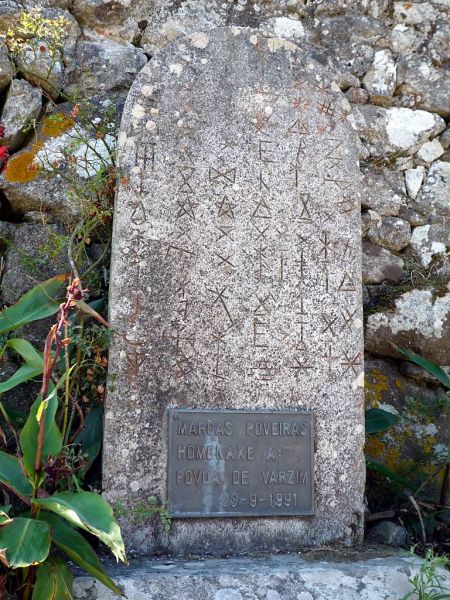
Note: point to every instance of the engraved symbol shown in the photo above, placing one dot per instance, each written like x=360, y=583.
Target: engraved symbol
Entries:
x=262, y=210
x=228, y=175
x=138, y=214
x=329, y=322
x=262, y=183
x=262, y=264
x=347, y=205
x=343, y=247
x=184, y=367
x=265, y=151
x=301, y=365
x=298, y=128
x=180, y=250
x=301, y=103
x=305, y=215
x=327, y=108
x=263, y=370
x=146, y=154
x=346, y=284
x=261, y=121
x=329, y=357
x=347, y=317
x=261, y=232
x=225, y=232
x=325, y=246
x=224, y=261
x=300, y=263
x=186, y=173
x=351, y=364
x=301, y=313
x=225, y=208
x=323, y=86
x=340, y=183
x=334, y=157
x=186, y=207
x=218, y=339
x=180, y=340
x=220, y=297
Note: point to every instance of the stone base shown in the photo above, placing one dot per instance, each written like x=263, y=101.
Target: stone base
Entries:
x=281, y=577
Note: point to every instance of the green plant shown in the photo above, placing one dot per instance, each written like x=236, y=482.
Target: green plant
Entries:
x=428, y=581
x=144, y=510
x=48, y=462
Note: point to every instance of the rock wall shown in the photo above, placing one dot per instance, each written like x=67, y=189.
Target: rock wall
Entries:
x=392, y=61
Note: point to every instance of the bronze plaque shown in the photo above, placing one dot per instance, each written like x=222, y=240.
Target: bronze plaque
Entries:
x=229, y=463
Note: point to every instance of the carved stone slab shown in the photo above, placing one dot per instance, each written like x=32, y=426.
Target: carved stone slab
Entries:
x=236, y=277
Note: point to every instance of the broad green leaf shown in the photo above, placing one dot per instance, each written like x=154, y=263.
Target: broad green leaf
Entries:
x=4, y=510
x=27, y=541
x=43, y=405
x=378, y=420
x=32, y=367
x=90, y=437
x=77, y=548
x=23, y=374
x=429, y=366
x=87, y=309
x=17, y=417
x=38, y=303
x=92, y=513
x=382, y=470
x=12, y=476
x=29, y=435
x=27, y=351
x=54, y=581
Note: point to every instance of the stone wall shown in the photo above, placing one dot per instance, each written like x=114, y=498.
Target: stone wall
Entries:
x=392, y=61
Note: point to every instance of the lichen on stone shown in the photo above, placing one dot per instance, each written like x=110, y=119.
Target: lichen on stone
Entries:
x=57, y=124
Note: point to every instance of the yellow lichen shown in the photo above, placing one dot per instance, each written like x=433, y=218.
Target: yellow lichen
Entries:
x=375, y=384
x=57, y=124
x=22, y=168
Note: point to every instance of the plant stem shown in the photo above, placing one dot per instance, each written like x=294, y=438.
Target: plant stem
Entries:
x=67, y=384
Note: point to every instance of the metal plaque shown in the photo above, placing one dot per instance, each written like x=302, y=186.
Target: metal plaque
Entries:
x=228, y=463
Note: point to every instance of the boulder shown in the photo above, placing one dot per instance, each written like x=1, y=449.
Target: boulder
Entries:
x=415, y=13
x=433, y=199
x=347, y=42
x=6, y=67
x=392, y=233
x=43, y=66
x=429, y=152
x=380, y=265
x=413, y=181
x=103, y=65
x=22, y=108
x=389, y=533
x=430, y=243
x=386, y=131
x=9, y=14
x=63, y=155
x=28, y=261
x=424, y=84
x=384, y=191
x=182, y=19
x=419, y=320
x=405, y=39
x=380, y=79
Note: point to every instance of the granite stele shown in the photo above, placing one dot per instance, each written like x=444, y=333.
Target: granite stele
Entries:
x=236, y=367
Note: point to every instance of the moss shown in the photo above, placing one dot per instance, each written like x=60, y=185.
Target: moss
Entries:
x=57, y=124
